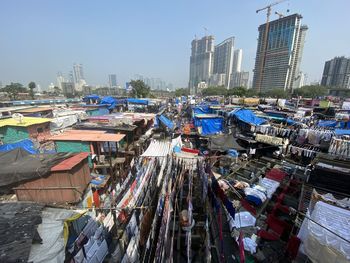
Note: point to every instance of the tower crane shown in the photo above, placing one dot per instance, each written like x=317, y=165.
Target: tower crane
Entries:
x=280, y=15
x=268, y=9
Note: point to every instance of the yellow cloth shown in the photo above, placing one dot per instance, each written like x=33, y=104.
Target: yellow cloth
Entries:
x=66, y=225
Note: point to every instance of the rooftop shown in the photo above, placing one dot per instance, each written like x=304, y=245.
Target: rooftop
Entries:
x=34, y=110
x=26, y=121
x=87, y=136
x=69, y=163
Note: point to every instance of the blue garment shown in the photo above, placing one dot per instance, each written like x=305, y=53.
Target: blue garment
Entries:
x=254, y=199
x=230, y=209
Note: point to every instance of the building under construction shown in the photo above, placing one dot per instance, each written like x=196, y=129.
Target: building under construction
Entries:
x=279, y=53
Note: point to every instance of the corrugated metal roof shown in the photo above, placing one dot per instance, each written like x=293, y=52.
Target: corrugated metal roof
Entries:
x=87, y=136
x=26, y=121
x=69, y=163
x=34, y=110
x=158, y=149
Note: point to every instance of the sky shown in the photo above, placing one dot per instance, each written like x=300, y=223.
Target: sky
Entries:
x=150, y=37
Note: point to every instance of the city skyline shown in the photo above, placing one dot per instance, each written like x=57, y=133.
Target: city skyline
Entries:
x=46, y=43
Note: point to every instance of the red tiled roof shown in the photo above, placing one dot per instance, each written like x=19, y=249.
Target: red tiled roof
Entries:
x=69, y=163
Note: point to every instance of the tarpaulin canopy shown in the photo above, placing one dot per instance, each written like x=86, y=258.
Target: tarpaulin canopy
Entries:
x=18, y=165
x=202, y=109
x=209, y=125
x=224, y=142
x=137, y=101
x=247, y=116
x=91, y=97
x=168, y=123
x=342, y=132
x=112, y=102
x=24, y=144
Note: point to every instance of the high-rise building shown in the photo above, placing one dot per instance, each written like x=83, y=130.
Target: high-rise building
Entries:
x=336, y=73
x=79, y=79
x=60, y=80
x=112, y=80
x=223, y=58
x=78, y=73
x=201, y=61
x=240, y=79
x=237, y=60
x=68, y=88
x=278, y=59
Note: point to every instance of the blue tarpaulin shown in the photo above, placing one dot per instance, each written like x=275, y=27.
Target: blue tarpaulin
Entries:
x=168, y=123
x=112, y=102
x=203, y=109
x=209, y=125
x=24, y=144
x=91, y=97
x=137, y=101
x=247, y=116
x=340, y=132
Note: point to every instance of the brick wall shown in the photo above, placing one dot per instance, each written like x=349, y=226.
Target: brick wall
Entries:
x=39, y=131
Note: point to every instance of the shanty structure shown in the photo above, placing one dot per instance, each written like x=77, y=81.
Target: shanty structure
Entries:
x=35, y=111
x=97, y=143
x=65, y=183
x=13, y=130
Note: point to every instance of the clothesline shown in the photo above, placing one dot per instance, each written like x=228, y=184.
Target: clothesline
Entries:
x=331, y=231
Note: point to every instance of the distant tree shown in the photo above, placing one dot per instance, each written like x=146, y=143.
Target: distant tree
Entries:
x=13, y=89
x=238, y=91
x=57, y=91
x=139, y=89
x=311, y=91
x=70, y=96
x=214, y=91
x=182, y=92
x=276, y=93
x=31, y=87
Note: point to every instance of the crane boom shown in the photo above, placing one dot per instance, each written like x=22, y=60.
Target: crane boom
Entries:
x=270, y=5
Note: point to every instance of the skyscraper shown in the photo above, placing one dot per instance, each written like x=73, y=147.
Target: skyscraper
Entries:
x=60, y=80
x=240, y=79
x=201, y=61
x=112, y=80
x=277, y=63
x=79, y=79
x=237, y=60
x=336, y=73
x=223, y=58
x=78, y=73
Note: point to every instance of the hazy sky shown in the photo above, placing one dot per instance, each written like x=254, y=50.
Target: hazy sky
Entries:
x=149, y=37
